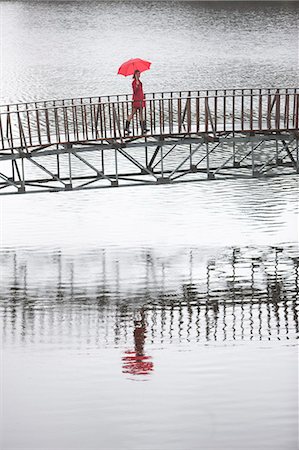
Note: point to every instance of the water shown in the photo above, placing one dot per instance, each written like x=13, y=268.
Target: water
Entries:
x=151, y=317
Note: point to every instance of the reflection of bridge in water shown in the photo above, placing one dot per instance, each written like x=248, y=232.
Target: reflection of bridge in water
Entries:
x=249, y=293
x=71, y=144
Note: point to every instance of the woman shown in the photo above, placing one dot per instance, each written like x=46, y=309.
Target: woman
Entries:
x=138, y=102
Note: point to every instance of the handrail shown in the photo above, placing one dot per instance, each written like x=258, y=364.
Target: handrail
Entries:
x=116, y=102
x=234, y=90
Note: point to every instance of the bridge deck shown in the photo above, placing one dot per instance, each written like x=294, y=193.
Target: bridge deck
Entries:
x=122, y=137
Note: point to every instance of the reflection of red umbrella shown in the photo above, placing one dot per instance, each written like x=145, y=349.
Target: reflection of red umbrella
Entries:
x=137, y=364
x=129, y=67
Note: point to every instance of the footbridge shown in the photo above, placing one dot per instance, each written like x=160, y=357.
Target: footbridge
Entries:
x=80, y=143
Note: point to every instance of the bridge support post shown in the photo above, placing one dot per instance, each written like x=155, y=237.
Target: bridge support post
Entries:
x=12, y=167
x=235, y=163
x=234, y=151
x=58, y=166
x=278, y=161
x=253, y=171
x=23, y=175
x=210, y=175
x=162, y=179
x=146, y=152
x=208, y=160
x=69, y=186
x=116, y=169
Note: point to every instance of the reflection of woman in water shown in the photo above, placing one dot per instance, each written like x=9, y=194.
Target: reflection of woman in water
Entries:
x=136, y=362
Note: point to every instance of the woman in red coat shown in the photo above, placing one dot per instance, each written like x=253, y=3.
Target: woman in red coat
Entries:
x=138, y=102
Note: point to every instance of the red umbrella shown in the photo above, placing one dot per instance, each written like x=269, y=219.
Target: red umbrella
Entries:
x=129, y=67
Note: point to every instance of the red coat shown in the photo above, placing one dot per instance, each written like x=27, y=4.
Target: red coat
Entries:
x=138, y=95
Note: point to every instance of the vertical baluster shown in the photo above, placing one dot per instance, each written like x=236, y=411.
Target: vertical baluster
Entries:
x=10, y=129
x=154, y=112
x=56, y=123
x=251, y=110
x=286, y=109
x=47, y=123
x=85, y=121
x=95, y=121
x=215, y=109
x=77, y=123
x=224, y=110
x=73, y=119
x=21, y=135
x=169, y=116
x=297, y=111
x=233, y=110
x=1, y=132
x=37, y=123
x=104, y=119
x=7, y=122
x=91, y=119
x=118, y=108
x=260, y=111
x=145, y=113
x=160, y=117
x=206, y=115
x=277, y=111
x=242, y=109
x=269, y=110
x=294, y=108
x=122, y=107
x=179, y=114
x=82, y=119
x=114, y=131
x=189, y=112
x=57, y=128
x=163, y=112
x=110, y=115
x=28, y=124
x=64, y=121
x=151, y=117
x=100, y=115
x=67, y=123
x=197, y=113
x=127, y=105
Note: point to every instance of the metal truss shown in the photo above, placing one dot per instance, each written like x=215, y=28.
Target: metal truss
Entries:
x=148, y=160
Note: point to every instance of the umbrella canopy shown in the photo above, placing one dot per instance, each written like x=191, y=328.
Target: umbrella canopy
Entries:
x=129, y=67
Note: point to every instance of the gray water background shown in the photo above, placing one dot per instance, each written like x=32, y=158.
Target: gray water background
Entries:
x=208, y=271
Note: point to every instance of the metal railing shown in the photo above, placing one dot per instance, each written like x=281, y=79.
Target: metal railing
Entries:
x=48, y=122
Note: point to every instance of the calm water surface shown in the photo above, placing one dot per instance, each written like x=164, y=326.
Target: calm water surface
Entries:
x=162, y=317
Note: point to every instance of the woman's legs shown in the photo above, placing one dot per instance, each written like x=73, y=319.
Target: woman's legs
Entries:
x=129, y=118
x=142, y=121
